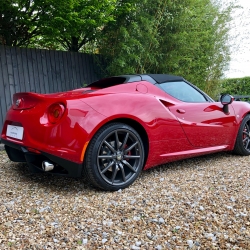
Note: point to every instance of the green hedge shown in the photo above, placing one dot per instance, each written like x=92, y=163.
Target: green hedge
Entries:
x=236, y=86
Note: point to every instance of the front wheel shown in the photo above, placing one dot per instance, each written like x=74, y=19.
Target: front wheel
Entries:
x=115, y=157
x=242, y=144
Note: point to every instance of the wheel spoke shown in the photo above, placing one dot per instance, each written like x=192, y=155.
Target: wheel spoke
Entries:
x=110, y=146
x=117, y=140
x=247, y=127
x=131, y=147
x=125, y=141
x=245, y=139
x=246, y=147
x=245, y=133
x=132, y=156
x=128, y=165
x=109, y=165
x=115, y=170
x=106, y=156
x=123, y=172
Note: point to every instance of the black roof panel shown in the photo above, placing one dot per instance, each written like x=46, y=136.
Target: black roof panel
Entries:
x=152, y=78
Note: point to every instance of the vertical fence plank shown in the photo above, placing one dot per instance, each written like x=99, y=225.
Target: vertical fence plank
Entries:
x=44, y=71
x=80, y=65
x=24, y=69
x=31, y=72
x=3, y=71
x=15, y=71
x=20, y=81
x=71, y=68
x=60, y=69
x=66, y=71
x=91, y=68
x=56, y=72
x=59, y=72
x=53, y=71
x=84, y=61
x=1, y=114
x=9, y=88
x=74, y=65
x=39, y=67
x=35, y=66
x=48, y=55
x=96, y=68
x=78, y=71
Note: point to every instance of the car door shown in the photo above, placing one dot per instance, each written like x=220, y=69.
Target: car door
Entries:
x=203, y=120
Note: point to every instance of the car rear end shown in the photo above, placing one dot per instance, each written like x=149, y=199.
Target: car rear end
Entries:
x=45, y=131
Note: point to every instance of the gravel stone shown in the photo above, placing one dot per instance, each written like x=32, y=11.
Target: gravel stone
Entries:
x=159, y=247
x=138, y=243
x=199, y=203
x=135, y=247
x=190, y=243
x=161, y=220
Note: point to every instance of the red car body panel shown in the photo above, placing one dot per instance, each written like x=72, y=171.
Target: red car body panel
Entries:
x=174, y=129
x=206, y=119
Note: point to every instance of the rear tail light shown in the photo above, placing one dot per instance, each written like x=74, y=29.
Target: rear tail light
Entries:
x=55, y=112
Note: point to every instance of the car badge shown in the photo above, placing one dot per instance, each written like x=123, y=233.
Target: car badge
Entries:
x=18, y=101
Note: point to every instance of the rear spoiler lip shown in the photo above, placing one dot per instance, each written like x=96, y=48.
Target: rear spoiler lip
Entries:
x=25, y=100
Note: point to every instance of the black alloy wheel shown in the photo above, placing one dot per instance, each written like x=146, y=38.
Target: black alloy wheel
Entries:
x=115, y=157
x=242, y=144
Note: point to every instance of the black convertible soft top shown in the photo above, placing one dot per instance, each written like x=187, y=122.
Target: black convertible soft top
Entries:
x=152, y=78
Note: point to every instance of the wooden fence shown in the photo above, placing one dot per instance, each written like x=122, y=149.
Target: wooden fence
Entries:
x=42, y=71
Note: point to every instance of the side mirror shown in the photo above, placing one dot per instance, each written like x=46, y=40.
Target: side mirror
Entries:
x=225, y=101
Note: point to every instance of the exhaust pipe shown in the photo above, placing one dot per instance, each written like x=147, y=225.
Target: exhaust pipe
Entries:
x=47, y=166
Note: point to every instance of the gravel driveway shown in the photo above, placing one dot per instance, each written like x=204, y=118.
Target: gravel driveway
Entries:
x=200, y=203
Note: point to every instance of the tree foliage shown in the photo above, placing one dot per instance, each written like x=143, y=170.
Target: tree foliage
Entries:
x=65, y=24
x=20, y=21
x=73, y=24
x=236, y=86
x=183, y=37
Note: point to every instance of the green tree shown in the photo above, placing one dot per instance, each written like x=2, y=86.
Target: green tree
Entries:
x=73, y=24
x=65, y=24
x=198, y=46
x=19, y=21
x=183, y=37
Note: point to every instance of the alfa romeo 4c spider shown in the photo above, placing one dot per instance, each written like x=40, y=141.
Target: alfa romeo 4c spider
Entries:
x=116, y=127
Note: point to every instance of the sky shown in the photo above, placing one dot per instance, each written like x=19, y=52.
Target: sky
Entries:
x=240, y=37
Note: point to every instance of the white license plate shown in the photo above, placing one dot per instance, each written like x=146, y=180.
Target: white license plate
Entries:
x=15, y=132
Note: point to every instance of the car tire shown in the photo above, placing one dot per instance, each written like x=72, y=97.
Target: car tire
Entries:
x=242, y=144
x=115, y=157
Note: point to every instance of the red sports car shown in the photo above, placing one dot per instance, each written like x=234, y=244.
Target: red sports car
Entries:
x=115, y=127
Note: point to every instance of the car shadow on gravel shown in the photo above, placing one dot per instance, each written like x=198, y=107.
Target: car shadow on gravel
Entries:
x=54, y=183
x=48, y=181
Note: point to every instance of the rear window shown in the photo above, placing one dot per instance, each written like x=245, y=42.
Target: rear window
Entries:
x=108, y=82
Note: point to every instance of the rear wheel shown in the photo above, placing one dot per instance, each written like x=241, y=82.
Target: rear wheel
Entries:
x=242, y=144
x=115, y=157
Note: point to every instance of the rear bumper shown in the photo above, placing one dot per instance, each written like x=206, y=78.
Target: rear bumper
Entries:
x=19, y=153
